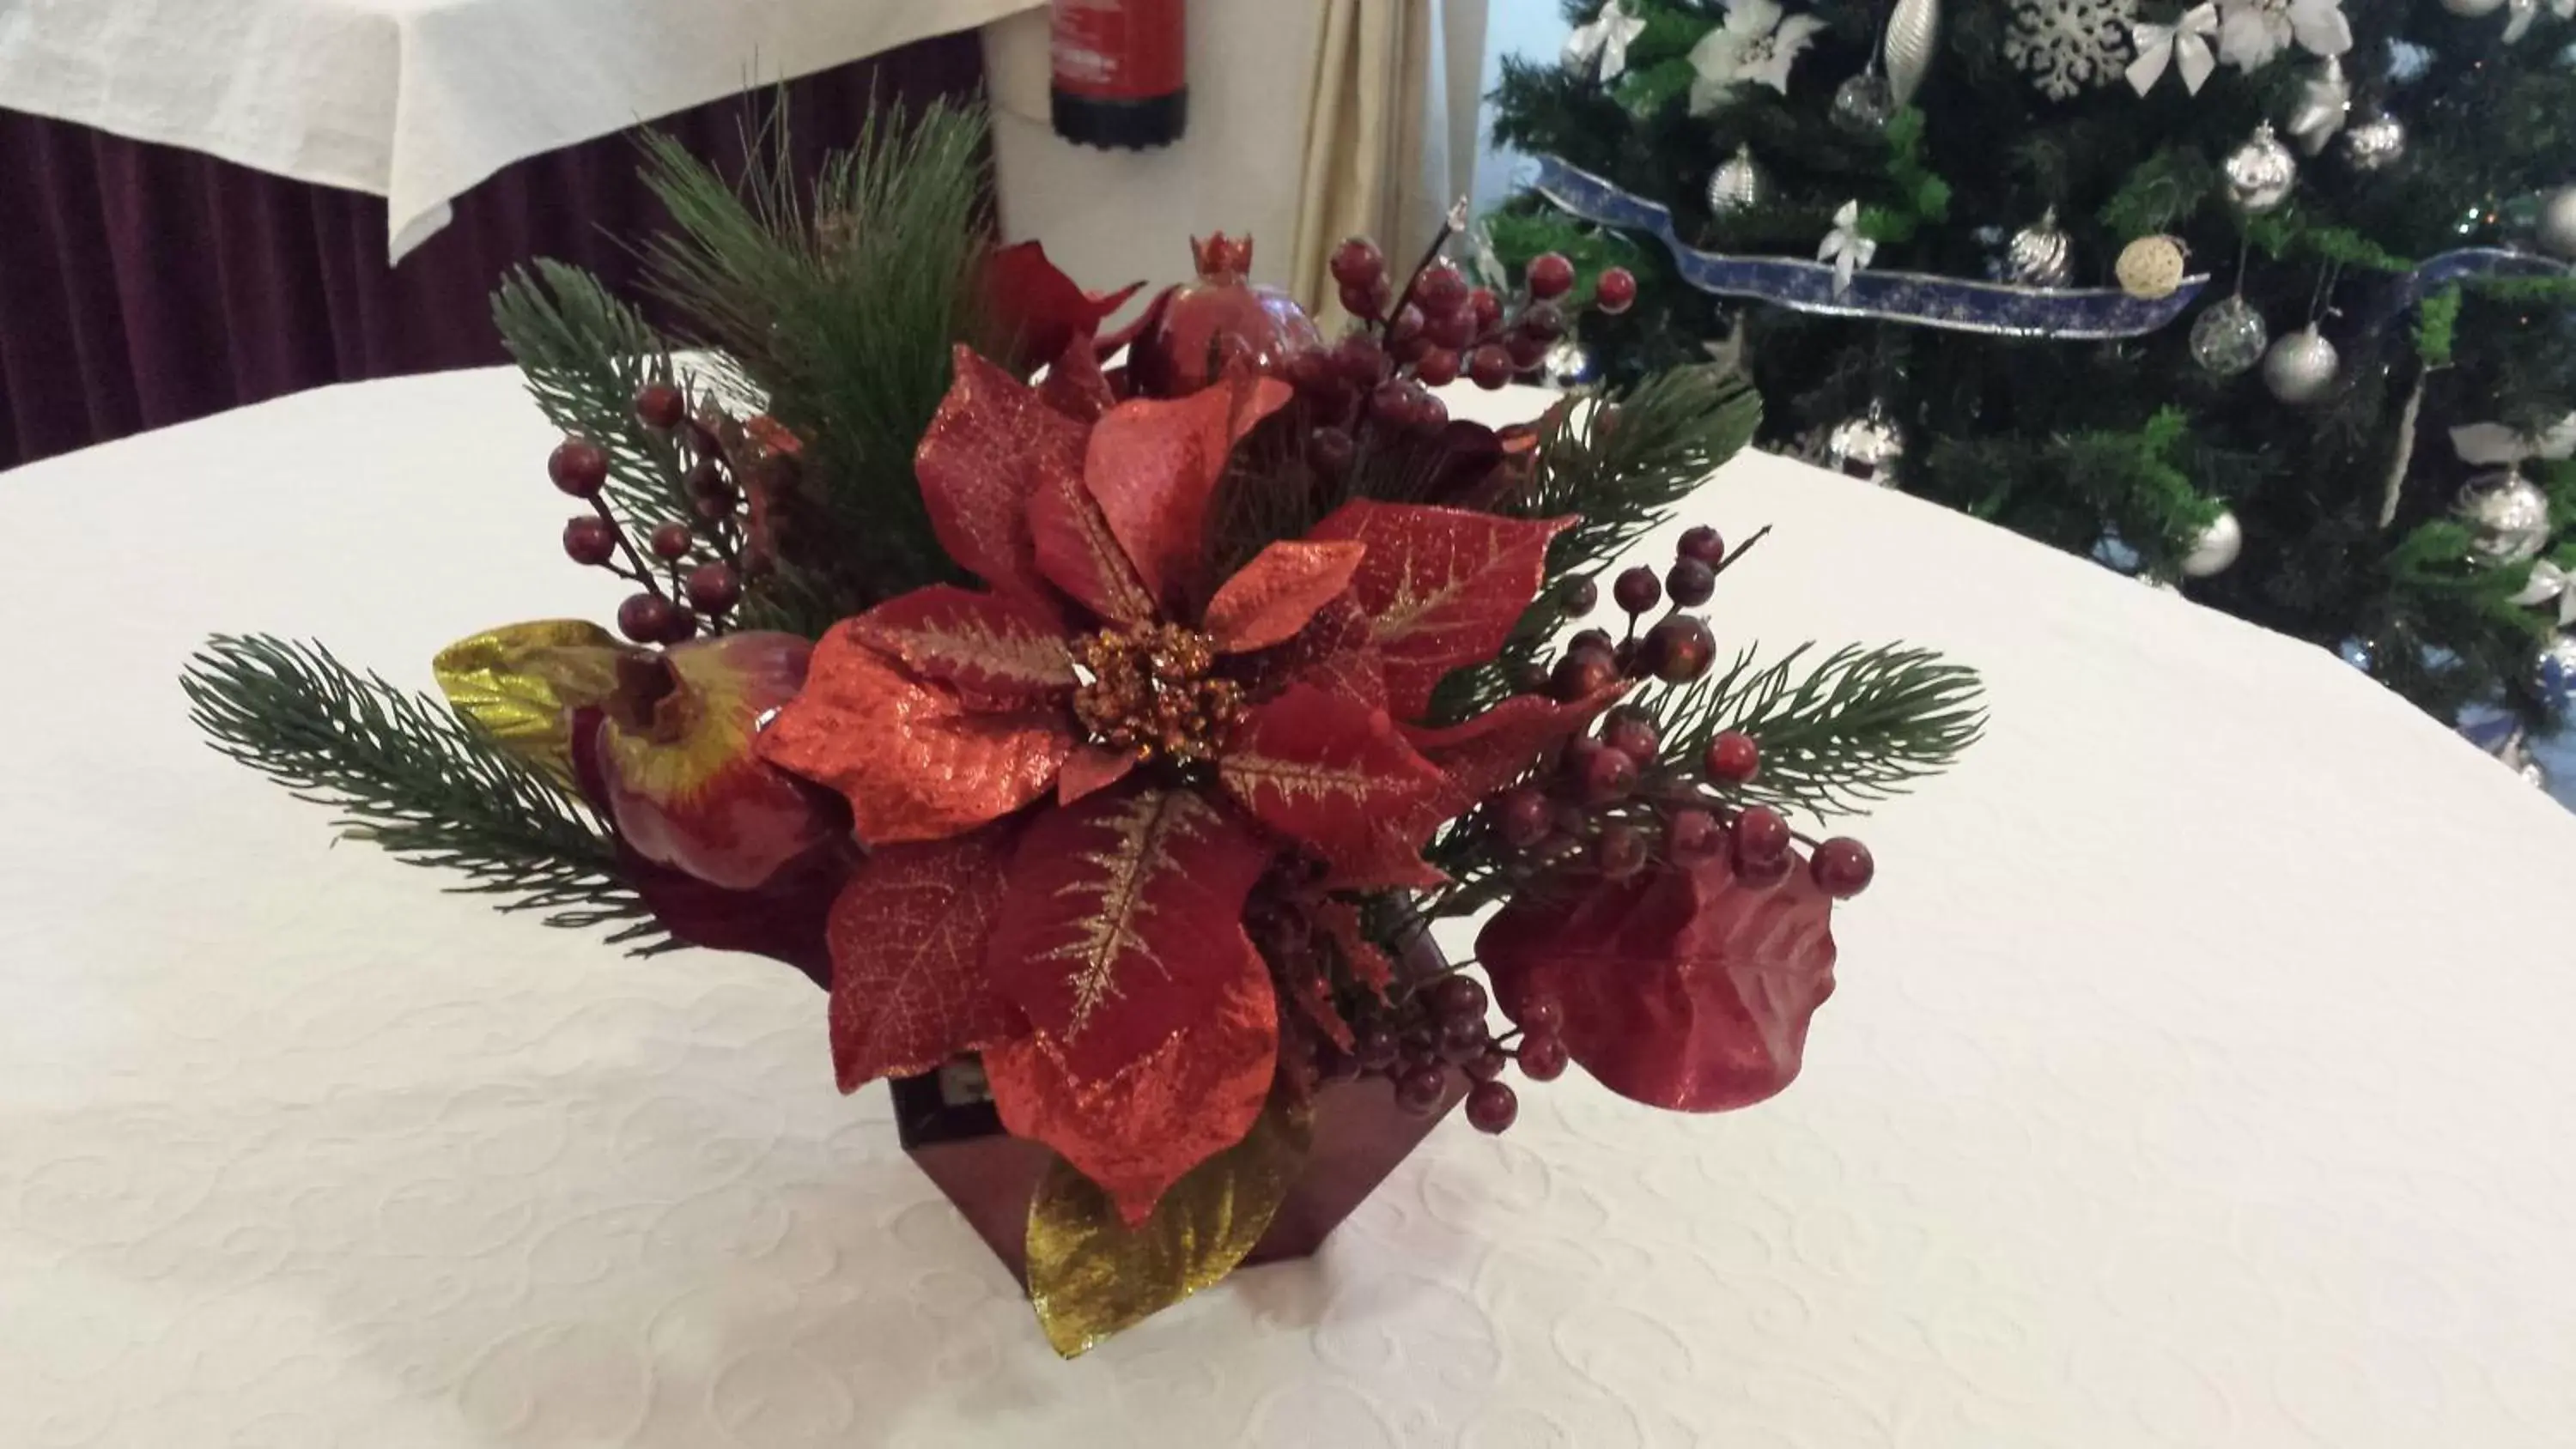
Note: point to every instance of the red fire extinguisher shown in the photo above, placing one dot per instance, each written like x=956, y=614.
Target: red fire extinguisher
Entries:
x=1121, y=75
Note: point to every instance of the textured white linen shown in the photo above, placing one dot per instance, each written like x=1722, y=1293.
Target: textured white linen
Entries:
x=2198, y=1077
x=417, y=100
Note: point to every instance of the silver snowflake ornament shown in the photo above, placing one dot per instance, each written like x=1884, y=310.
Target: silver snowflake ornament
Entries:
x=2066, y=46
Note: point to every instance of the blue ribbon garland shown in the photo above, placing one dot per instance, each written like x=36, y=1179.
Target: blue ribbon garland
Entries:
x=2075, y=313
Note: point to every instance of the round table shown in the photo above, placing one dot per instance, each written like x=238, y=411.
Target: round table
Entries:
x=2197, y=1076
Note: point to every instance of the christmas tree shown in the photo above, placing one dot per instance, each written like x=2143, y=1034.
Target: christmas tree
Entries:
x=2266, y=298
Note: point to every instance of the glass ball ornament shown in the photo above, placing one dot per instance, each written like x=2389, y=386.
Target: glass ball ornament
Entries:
x=1738, y=184
x=1867, y=446
x=1568, y=365
x=2555, y=228
x=2229, y=338
x=1864, y=104
x=2261, y=172
x=2507, y=515
x=2216, y=548
x=2375, y=142
x=2150, y=267
x=2039, y=255
x=2301, y=367
x=2553, y=673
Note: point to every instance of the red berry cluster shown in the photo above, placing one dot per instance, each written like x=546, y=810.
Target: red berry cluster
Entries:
x=701, y=568
x=1611, y=800
x=1439, y=1028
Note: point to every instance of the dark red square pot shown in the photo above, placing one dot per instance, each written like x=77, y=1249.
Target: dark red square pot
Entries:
x=950, y=1130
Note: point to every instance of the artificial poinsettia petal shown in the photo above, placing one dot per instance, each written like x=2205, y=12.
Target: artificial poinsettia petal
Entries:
x=1442, y=587
x=1077, y=552
x=1037, y=308
x=1092, y=768
x=982, y=458
x=1303, y=971
x=1328, y=770
x=1138, y=1131
x=1154, y=466
x=1683, y=988
x=1076, y=387
x=1490, y=751
x=1370, y=965
x=915, y=763
x=907, y=937
x=1277, y=594
x=520, y=684
x=995, y=652
x=1123, y=919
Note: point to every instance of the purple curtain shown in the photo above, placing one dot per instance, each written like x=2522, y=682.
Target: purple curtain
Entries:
x=142, y=285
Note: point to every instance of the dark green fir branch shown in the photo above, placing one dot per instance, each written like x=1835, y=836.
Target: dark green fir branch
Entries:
x=1857, y=727
x=405, y=774
x=585, y=355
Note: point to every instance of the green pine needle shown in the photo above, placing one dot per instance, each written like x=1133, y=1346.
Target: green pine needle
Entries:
x=585, y=355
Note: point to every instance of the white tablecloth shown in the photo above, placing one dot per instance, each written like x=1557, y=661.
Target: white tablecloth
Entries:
x=2199, y=1075
x=417, y=100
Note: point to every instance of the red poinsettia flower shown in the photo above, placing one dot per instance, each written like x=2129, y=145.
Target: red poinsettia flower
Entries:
x=1177, y=733
x=1038, y=311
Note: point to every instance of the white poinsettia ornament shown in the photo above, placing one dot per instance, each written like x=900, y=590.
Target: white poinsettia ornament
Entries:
x=2252, y=32
x=1845, y=247
x=1756, y=45
x=1605, y=37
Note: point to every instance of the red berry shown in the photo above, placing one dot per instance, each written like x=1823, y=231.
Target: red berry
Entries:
x=1492, y=367
x=1693, y=835
x=1616, y=291
x=1543, y=321
x=1703, y=543
x=1485, y=309
x=578, y=467
x=1487, y=1064
x=683, y=626
x=1621, y=850
x=644, y=618
x=1524, y=352
x=1407, y=326
x=661, y=406
x=711, y=510
x=1679, y=649
x=1492, y=1107
x=1441, y=289
x=1542, y=1056
x=1732, y=758
x=1632, y=733
x=1360, y=302
x=1392, y=401
x=1579, y=597
x=1361, y=360
x=1459, y=998
x=1530, y=678
x=1594, y=639
x=1550, y=276
x=1437, y=368
x=1452, y=329
x=714, y=588
x=1540, y=1017
x=1373, y=1047
x=1464, y=1040
x=590, y=539
x=1430, y=414
x=673, y=541
x=1607, y=775
x=1523, y=816
x=1581, y=675
x=1331, y=451
x=1626, y=658
x=1690, y=582
x=1421, y=1087
x=1638, y=590
x=1762, y=872
x=1358, y=263
x=1842, y=867
x=1760, y=834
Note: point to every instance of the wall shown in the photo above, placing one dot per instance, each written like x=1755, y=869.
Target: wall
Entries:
x=1533, y=29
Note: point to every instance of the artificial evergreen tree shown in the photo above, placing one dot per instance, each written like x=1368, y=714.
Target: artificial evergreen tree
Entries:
x=2037, y=144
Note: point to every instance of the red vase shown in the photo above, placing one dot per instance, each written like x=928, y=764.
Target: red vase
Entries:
x=950, y=1130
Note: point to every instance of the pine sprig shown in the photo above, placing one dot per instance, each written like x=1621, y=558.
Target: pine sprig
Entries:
x=407, y=775
x=1858, y=727
x=585, y=355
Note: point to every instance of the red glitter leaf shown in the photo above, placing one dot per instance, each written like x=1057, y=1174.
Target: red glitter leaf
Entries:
x=1341, y=920
x=1139, y=1130
x=1077, y=552
x=995, y=653
x=1490, y=751
x=1123, y=921
x=1683, y=989
x=914, y=762
x=908, y=936
x=1442, y=587
x=1329, y=771
x=1154, y=466
x=1278, y=593
x=1076, y=387
x=1037, y=307
x=1304, y=973
x=1091, y=768
x=986, y=450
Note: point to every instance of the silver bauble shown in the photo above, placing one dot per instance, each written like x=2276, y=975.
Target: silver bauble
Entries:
x=2216, y=548
x=1738, y=183
x=2261, y=172
x=2556, y=227
x=1867, y=446
x=2553, y=673
x=1569, y=365
x=2229, y=337
x=1863, y=104
x=2039, y=255
x=2300, y=368
x=1913, y=33
x=2375, y=142
x=2473, y=8
x=2358, y=653
x=2507, y=515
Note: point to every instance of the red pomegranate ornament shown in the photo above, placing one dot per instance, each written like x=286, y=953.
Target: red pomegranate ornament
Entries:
x=1199, y=330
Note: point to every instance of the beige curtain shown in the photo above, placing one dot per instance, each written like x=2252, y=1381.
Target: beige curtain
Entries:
x=1390, y=129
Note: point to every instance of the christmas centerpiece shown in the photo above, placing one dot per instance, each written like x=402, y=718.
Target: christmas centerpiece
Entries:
x=1102, y=718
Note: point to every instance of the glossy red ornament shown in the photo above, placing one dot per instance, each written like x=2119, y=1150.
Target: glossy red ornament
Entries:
x=1732, y=758
x=1616, y=291
x=1221, y=319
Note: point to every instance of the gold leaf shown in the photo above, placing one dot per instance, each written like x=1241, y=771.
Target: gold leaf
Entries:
x=521, y=682
x=1091, y=1276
